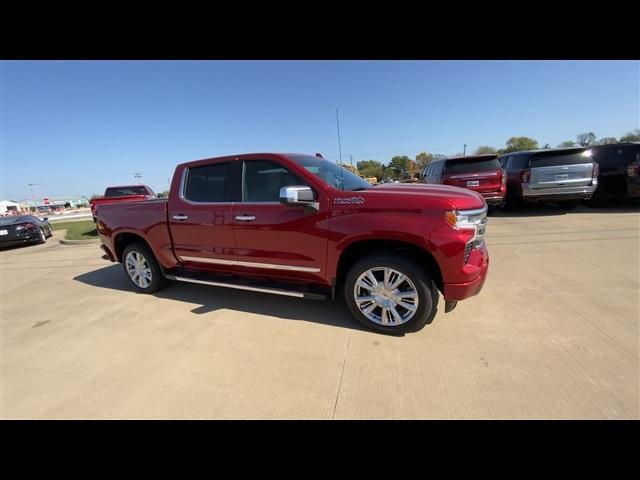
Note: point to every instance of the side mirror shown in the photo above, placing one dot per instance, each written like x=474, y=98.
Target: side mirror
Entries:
x=298, y=195
x=45, y=219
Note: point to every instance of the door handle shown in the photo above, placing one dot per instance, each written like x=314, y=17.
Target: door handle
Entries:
x=246, y=218
x=180, y=216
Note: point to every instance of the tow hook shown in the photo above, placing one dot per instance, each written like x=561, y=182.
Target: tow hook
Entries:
x=449, y=305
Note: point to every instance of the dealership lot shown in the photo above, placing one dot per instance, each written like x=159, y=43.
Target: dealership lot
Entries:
x=553, y=334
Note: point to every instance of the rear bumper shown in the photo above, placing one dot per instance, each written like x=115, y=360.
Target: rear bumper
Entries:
x=461, y=291
x=22, y=240
x=559, y=193
x=493, y=199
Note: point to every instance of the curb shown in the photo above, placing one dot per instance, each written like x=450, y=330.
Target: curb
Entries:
x=64, y=241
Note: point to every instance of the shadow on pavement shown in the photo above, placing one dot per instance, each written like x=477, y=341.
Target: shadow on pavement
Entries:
x=328, y=312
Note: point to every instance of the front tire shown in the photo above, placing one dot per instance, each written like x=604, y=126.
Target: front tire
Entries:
x=142, y=268
x=388, y=293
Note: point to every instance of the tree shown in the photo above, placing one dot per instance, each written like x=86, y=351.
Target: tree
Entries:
x=631, y=136
x=567, y=143
x=370, y=168
x=516, y=144
x=484, y=149
x=423, y=159
x=439, y=156
x=404, y=164
x=607, y=141
x=164, y=194
x=95, y=195
x=586, y=139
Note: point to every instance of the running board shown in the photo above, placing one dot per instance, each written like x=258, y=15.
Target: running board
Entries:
x=252, y=288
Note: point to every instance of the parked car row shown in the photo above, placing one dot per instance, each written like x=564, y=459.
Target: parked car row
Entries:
x=564, y=176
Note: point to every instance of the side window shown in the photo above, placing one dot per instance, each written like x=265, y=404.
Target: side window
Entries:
x=209, y=183
x=263, y=179
x=438, y=170
x=503, y=162
x=519, y=162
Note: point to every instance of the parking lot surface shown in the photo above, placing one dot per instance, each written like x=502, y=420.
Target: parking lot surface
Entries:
x=554, y=334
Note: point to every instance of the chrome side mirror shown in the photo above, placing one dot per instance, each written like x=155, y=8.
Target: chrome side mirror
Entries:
x=298, y=195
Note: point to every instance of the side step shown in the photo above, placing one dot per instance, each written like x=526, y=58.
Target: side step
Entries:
x=240, y=284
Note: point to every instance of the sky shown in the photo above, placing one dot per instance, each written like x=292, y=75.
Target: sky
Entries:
x=73, y=128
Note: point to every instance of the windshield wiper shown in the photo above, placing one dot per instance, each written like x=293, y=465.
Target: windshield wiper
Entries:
x=358, y=189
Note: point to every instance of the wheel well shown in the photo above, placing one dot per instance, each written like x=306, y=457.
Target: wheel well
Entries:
x=357, y=250
x=124, y=239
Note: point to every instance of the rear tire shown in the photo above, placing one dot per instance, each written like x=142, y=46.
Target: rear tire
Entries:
x=142, y=269
x=41, y=237
x=418, y=290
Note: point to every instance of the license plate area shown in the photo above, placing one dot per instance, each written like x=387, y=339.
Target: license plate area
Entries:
x=4, y=232
x=562, y=176
x=473, y=183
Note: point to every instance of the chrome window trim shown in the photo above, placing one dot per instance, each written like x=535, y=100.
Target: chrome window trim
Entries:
x=239, y=263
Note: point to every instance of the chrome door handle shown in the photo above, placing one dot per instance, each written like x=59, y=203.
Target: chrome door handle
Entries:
x=180, y=216
x=246, y=218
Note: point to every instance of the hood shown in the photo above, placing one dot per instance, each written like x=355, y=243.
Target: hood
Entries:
x=448, y=196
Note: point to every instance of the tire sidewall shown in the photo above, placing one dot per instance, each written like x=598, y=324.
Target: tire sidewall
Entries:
x=157, y=276
x=427, y=291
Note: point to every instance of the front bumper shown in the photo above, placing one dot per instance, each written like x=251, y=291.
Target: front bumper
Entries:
x=558, y=193
x=461, y=291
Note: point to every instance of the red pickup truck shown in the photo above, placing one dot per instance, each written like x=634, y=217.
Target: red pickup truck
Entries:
x=127, y=193
x=302, y=226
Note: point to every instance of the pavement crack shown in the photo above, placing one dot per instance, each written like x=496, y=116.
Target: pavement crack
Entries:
x=344, y=361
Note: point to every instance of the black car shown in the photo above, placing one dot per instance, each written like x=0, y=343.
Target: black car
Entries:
x=616, y=179
x=17, y=230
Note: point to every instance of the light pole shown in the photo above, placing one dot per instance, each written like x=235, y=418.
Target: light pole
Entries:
x=33, y=197
x=339, y=146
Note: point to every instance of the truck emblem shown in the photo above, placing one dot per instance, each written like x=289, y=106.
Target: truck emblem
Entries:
x=348, y=200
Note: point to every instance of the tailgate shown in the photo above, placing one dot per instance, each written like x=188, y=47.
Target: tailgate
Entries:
x=479, y=182
x=561, y=176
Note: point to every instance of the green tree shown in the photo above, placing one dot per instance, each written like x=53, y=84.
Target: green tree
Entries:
x=586, y=139
x=484, y=149
x=631, y=136
x=607, y=141
x=370, y=168
x=516, y=144
x=423, y=159
x=567, y=143
x=404, y=165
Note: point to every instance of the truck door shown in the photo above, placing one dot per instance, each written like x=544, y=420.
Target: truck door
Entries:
x=272, y=239
x=200, y=216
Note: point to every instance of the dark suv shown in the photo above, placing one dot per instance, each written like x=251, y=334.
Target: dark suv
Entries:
x=564, y=176
x=618, y=177
x=480, y=173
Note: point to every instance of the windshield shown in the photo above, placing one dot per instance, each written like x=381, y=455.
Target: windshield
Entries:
x=331, y=173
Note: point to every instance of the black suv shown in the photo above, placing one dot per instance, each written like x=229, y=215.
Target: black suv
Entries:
x=618, y=177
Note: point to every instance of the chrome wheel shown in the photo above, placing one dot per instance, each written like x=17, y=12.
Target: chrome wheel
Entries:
x=138, y=269
x=386, y=296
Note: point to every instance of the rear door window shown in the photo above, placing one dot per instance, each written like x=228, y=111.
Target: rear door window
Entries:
x=471, y=166
x=209, y=183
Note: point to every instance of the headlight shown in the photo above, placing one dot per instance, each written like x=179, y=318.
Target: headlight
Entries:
x=475, y=220
x=587, y=153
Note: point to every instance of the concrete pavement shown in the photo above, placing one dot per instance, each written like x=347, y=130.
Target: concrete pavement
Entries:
x=553, y=334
